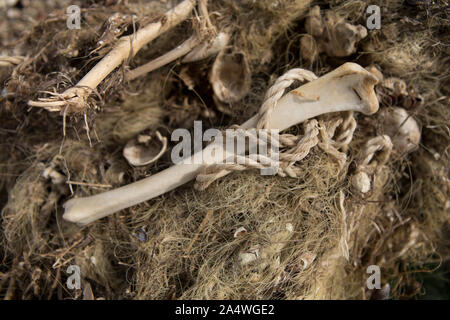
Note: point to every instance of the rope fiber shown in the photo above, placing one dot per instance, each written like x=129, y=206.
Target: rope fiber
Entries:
x=292, y=148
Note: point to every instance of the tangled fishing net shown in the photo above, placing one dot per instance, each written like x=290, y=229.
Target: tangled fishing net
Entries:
x=358, y=198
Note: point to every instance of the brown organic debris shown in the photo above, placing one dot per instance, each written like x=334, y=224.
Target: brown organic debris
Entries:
x=330, y=34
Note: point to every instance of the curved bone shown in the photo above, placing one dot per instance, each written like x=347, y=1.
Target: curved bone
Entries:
x=126, y=47
x=349, y=87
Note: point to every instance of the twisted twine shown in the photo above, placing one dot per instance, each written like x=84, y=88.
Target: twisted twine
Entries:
x=292, y=148
x=367, y=163
x=347, y=126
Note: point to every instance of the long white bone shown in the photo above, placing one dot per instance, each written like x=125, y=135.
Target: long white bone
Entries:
x=349, y=87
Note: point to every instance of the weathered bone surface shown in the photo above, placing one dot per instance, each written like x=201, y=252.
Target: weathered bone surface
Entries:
x=206, y=49
x=349, y=87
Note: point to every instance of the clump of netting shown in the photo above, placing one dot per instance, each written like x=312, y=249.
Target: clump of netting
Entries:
x=246, y=236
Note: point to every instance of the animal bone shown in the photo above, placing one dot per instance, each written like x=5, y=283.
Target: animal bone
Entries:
x=168, y=57
x=349, y=87
x=192, y=49
x=126, y=47
x=207, y=49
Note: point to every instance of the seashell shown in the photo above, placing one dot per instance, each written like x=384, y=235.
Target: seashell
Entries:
x=145, y=149
x=230, y=76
